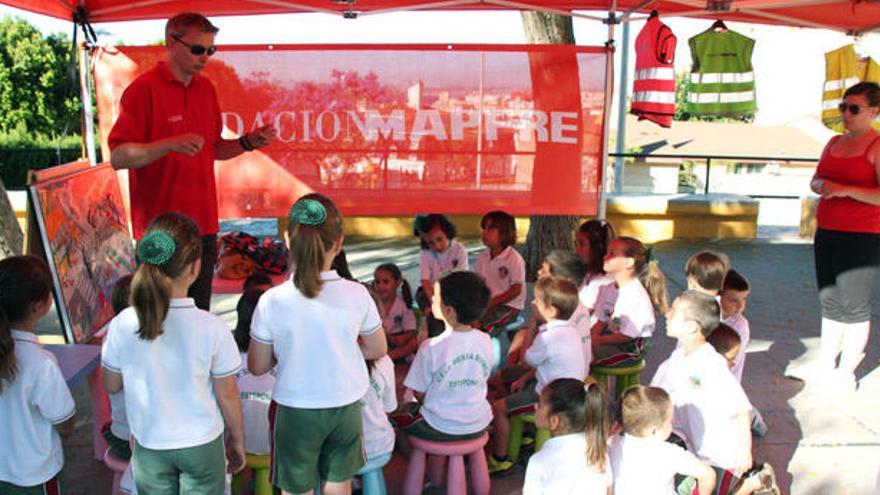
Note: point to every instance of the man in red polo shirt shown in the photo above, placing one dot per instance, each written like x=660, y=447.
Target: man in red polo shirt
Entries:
x=168, y=135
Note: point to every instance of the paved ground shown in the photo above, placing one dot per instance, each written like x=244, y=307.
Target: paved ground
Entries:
x=818, y=442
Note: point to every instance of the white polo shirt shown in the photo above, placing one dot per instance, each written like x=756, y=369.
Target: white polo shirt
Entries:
x=451, y=369
x=169, y=393
x=557, y=353
x=560, y=468
x=379, y=400
x=398, y=318
x=434, y=265
x=589, y=289
x=320, y=364
x=255, y=393
x=503, y=271
x=580, y=320
x=627, y=309
x=30, y=407
x=707, y=399
x=647, y=466
x=741, y=325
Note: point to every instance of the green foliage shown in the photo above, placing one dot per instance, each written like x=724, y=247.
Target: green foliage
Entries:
x=681, y=86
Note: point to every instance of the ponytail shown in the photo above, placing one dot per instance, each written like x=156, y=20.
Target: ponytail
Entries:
x=654, y=282
x=314, y=228
x=24, y=282
x=8, y=364
x=172, y=243
x=406, y=293
x=585, y=408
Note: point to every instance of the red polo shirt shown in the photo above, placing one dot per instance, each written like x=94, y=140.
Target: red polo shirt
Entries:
x=156, y=106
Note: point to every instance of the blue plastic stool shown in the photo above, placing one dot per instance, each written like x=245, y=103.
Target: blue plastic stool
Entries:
x=372, y=478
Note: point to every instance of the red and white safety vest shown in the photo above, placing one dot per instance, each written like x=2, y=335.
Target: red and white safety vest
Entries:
x=653, y=96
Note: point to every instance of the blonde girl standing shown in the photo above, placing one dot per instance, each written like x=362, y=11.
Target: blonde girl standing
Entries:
x=311, y=325
x=178, y=365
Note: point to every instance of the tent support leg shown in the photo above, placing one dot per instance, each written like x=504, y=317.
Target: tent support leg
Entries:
x=86, y=99
x=609, y=97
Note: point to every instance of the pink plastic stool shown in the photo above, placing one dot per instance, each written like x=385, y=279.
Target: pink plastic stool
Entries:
x=455, y=481
x=117, y=466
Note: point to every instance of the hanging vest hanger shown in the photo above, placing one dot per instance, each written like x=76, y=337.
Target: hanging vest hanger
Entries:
x=718, y=26
x=654, y=13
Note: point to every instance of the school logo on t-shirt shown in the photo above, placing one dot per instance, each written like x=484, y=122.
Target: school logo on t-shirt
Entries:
x=455, y=262
x=502, y=271
x=695, y=382
x=398, y=320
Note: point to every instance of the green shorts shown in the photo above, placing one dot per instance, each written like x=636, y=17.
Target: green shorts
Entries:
x=191, y=470
x=51, y=487
x=308, y=443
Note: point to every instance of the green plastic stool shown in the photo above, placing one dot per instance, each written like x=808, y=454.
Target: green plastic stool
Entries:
x=516, y=435
x=259, y=465
x=625, y=376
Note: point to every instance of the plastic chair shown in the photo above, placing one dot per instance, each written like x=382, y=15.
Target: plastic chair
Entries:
x=117, y=466
x=625, y=377
x=517, y=423
x=455, y=480
x=259, y=466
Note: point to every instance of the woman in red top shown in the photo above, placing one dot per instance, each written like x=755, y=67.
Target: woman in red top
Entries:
x=847, y=242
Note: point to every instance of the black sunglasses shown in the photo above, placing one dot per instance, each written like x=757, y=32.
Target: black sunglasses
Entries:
x=196, y=50
x=853, y=109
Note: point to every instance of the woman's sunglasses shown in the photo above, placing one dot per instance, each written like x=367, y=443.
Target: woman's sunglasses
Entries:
x=196, y=50
x=853, y=109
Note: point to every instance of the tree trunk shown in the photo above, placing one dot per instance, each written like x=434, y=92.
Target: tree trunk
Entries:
x=549, y=232
x=11, y=237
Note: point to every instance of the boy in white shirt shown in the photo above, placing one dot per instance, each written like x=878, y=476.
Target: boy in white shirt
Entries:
x=712, y=412
x=734, y=294
x=643, y=462
x=450, y=371
x=555, y=352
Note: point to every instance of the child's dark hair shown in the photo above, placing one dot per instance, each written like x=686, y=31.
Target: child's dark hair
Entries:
x=427, y=223
x=247, y=303
x=585, y=408
x=701, y=308
x=599, y=234
x=405, y=290
x=311, y=242
x=151, y=285
x=734, y=281
x=24, y=282
x=648, y=272
x=708, y=269
x=256, y=279
x=566, y=264
x=121, y=293
x=504, y=222
x=559, y=293
x=723, y=338
x=340, y=264
x=643, y=409
x=467, y=293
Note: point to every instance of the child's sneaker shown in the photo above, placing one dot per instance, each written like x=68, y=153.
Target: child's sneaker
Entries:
x=500, y=466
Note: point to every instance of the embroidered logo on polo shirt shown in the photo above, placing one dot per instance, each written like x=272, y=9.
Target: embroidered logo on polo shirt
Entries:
x=455, y=262
x=175, y=118
x=695, y=382
x=502, y=272
x=398, y=320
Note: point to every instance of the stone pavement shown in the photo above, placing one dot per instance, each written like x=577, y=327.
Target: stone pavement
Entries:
x=819, y=443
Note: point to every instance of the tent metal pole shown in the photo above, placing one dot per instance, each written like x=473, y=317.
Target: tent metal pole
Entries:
x=85, y=83
x=609, y=95
x=621, y=109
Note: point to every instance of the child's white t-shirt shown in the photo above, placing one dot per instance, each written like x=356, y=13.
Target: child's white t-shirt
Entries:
x=398, y=318
x=118, y=418
x=627, y=309
x=30, y=407
x=590, y=287
x=434, y=265
x=560, y=468
x=556, y=353
x=647, y=466
x=169, y=394
x=452, y=369
x=379, y=400
x=580, y=320
x=505, y=270
x=707, y=398
x=741, y=325
x=255, y=393
x=320, y=364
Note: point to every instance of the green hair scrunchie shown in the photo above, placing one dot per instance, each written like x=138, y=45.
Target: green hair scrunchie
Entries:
x=156, y=248
x=308, y=212
x=418, y=224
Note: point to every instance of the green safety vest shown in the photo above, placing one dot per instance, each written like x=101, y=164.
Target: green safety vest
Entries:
x=722, y=81
x=842, y=70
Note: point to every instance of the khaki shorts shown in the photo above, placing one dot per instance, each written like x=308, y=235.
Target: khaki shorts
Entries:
x=308, y=443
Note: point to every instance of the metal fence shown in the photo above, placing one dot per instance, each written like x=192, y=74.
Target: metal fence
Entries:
x=15, y=162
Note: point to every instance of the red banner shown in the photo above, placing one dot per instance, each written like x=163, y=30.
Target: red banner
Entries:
x=400, y=129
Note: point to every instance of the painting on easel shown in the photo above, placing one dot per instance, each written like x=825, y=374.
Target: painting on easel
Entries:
x=84, y=232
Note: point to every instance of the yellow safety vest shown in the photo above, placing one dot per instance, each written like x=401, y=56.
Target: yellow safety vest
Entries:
x=842, y=70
